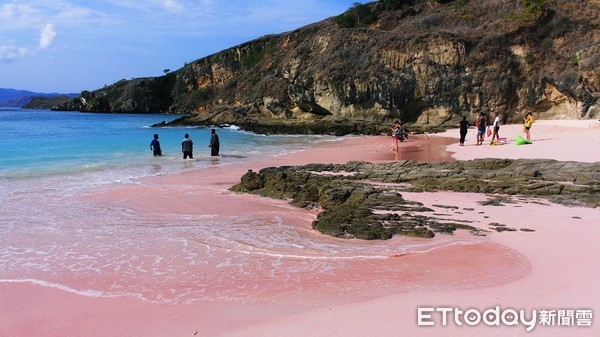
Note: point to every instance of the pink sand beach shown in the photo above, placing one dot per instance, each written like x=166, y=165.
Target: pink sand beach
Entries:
x=251, y=266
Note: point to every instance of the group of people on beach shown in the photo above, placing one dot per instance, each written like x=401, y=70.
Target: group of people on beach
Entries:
x=187, y=145
x=493, y=130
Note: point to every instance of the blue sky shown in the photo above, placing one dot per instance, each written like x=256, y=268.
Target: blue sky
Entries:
x=68, y=46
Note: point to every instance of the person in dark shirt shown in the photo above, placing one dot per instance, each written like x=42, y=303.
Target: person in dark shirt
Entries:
x=155, y=146
x=464, y=125
x=481, y=127
x=214, y=143
x=187, y=147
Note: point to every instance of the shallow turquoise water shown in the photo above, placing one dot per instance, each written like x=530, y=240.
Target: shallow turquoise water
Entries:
x=37, y=143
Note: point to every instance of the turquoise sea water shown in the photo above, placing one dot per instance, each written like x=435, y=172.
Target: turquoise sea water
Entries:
x=37, y=143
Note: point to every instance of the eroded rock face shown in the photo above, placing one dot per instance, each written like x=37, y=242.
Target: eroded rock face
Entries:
x=356, y=205
x=427, y=63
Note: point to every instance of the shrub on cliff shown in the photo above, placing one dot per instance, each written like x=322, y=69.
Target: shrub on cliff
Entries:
x=396, y=4
x=532, y=10
x=358, y=15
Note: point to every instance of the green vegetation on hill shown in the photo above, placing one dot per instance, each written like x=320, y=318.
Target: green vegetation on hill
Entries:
x=359, y=15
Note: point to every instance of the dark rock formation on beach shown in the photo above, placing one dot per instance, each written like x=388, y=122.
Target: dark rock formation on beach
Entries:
x=424, y=62
x=349, y=206
x=363, y=200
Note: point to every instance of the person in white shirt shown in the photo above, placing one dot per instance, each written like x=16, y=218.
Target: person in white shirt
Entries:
x=496, y=126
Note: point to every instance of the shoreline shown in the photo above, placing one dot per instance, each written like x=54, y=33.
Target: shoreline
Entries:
x=374, y=296
x=564, y=140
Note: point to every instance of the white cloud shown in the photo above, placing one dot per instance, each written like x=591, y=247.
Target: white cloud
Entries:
x=16, y=16
x=9, y=53
x=23, y=16
x=173, y=6
x=47, y=36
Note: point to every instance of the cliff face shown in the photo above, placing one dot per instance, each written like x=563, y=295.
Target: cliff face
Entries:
x=425, y=63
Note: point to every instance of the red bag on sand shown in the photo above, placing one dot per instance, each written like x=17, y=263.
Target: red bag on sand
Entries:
x=489, y=131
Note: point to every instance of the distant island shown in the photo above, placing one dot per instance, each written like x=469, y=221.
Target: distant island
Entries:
x=41, y=102
x=32, y=100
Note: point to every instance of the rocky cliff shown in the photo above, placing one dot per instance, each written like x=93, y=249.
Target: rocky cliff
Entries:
x=423, y=62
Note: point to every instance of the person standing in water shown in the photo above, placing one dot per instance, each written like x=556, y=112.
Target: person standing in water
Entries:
x=464, y=126
x=155, y=146
x=214, y=143
x=187, y=147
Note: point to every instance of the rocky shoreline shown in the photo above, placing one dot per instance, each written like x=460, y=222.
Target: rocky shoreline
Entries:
x=363, y=200
x=258, y=123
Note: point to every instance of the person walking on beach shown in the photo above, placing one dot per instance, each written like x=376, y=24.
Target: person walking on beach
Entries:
x=496, y=126
x=481, y=126
x=187, y=147
x=397, y=134
x=464, y=126
x=527, y=126
x=214, y=143
x=155, y=146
